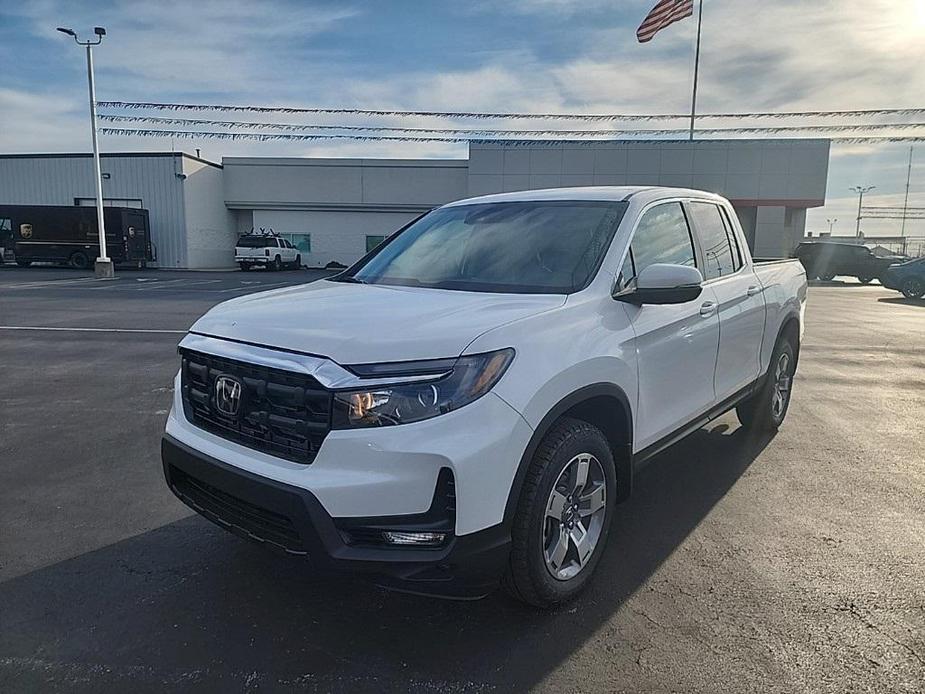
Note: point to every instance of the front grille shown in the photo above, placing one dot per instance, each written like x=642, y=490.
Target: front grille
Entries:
x=282, y=413
x=236, y=514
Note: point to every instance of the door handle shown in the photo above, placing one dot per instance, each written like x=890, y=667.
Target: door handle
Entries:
x=707, y=309
x=753, y=290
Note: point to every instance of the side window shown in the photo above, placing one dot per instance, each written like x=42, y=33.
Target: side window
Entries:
x=661, y=237
x=711, y=230
x=737, y=260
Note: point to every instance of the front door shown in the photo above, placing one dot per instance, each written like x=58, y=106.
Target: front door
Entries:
x=676, y=345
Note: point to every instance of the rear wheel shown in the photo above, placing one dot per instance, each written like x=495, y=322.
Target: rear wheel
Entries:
x=79, y=260
x=244, y=266
x=913, y=288
x=865, y=279
x=765, y=411
x=563, y=515
x=827, y=276
x=24, y=263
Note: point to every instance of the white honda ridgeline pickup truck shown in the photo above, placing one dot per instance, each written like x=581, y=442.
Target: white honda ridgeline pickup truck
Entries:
x=465, y=405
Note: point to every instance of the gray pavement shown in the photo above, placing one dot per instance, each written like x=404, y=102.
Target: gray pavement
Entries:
x=793, y=564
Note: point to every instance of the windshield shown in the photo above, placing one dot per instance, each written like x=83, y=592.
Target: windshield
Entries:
x=552, y=247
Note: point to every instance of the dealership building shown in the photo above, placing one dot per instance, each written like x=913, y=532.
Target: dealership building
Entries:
x=334, y=210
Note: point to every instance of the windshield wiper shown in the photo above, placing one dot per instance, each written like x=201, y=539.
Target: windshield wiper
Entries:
x=349, y=278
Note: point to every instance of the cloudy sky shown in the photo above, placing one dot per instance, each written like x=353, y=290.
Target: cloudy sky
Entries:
x=576, y=56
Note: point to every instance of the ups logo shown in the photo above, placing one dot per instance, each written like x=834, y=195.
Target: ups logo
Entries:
x=25, y=231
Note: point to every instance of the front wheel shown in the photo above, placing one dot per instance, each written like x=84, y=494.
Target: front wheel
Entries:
x=298, y=262
x=563, y=515
x=766, y=409
x=913, y=288
x=24, y=263
x=827, y=276
x=865, y=279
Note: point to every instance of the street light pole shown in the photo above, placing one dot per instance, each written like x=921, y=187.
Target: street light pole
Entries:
x=103, y=266
x=860, y=190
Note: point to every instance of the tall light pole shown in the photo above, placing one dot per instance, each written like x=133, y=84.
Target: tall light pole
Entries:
x=831, y=223
x=902, y=231
x=860, y=190
x=103, y=266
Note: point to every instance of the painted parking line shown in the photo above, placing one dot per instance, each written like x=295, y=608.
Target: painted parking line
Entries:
x=57, y=329
x=40, y=284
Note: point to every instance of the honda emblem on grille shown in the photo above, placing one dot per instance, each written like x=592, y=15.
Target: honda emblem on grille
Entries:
x=227, y=395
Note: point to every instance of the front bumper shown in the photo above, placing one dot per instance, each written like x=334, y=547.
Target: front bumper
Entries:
x=292, y=520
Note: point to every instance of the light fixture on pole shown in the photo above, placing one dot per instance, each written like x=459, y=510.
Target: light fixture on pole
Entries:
x=103, y=265
x=860, y=190
x=831, y=223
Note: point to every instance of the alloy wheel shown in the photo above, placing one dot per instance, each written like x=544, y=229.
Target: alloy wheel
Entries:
x=574, y=519
x=781, y=394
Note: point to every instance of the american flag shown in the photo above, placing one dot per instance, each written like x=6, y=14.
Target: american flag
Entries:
x=664, y=13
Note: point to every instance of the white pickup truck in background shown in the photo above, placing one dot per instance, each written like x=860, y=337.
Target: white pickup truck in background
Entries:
x=267, y=250
x=465, y=406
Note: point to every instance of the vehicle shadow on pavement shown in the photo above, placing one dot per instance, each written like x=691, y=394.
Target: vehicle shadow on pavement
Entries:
x=902, y=301
x=187, y=605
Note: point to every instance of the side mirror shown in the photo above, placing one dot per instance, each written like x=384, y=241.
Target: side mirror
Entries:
x=663, y=284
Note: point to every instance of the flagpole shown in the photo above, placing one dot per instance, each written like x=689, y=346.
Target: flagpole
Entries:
x=696, y=69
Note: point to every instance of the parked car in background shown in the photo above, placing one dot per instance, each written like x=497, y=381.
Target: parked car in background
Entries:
x=69, y=235
x=908, y=277
x=465, y=406
x=825, y=260
x=266, y=249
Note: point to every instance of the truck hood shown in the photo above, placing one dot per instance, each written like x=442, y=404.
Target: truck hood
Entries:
x=358, y=324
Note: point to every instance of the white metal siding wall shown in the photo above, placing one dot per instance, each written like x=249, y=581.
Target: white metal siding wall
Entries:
x=210, y=229
x=58, y=180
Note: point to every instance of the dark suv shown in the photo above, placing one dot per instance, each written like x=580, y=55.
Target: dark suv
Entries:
x=826, y=259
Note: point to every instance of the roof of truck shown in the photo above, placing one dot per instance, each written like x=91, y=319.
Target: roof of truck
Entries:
x=588, y=193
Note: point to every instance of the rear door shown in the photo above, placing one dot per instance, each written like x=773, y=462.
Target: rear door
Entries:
x=676, y=344
x=738, y=293
x=136, y=236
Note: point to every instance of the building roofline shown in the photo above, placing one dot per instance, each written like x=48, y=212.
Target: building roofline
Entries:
x=108, y=155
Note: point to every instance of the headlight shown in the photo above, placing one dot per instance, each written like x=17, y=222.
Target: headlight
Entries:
x=470, y=378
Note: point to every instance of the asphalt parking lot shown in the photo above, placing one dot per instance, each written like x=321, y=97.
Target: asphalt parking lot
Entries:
x=783, y=565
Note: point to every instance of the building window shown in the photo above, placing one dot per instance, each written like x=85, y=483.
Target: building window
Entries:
x=109, y=202
x=303, y=242
x=373, y=241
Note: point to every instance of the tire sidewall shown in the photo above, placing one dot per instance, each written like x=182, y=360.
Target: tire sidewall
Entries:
x=588, y=440
x=79, y=260
x=783, y=347
x=912, y=288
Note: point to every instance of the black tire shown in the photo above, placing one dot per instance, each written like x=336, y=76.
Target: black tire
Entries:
x=827, y=276
x=24, y=263
x=244, y=266
x=277, y=264
x=79, y=260
x=762, y=412
x=913, y=288
x=528, y=577
x=297, y=265
x=865, y=279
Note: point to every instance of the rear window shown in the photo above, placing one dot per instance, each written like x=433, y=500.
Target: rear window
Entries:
x=255, y=242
